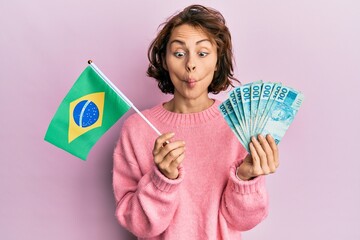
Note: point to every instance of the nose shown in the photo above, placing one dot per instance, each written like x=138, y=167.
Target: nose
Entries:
x=190, y=68
x=190, y=65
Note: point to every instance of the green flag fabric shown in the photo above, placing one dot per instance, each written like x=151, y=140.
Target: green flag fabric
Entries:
x=89, y=109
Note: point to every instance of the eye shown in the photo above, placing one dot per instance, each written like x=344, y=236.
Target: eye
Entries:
x=179, y=54
x=203, y=54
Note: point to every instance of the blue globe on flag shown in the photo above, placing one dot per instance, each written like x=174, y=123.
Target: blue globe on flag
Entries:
x=85, y=113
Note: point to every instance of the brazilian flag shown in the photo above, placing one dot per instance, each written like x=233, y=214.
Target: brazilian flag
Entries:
x=89, y=109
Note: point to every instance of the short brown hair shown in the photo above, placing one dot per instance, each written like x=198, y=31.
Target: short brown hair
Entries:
x=211, y=22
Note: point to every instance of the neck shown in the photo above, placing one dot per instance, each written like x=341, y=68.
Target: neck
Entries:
x=179, y=105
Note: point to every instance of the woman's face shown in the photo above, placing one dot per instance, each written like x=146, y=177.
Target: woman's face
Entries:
x=191, y=59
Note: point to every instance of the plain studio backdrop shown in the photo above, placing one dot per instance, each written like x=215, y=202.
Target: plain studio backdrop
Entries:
x=311, y=45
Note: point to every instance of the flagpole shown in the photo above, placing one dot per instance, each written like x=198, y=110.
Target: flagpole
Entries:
x=102, y=75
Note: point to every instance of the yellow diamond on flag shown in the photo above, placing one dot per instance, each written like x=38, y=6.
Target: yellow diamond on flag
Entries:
x=85, y=114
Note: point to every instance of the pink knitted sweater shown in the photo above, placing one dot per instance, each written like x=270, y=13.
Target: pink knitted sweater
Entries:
x=207, y=201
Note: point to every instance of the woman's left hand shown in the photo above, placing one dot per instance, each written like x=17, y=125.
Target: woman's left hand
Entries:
x=262, y=160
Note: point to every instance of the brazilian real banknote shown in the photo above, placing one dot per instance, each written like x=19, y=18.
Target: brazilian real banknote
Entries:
x=261, y=108
x=228, y=114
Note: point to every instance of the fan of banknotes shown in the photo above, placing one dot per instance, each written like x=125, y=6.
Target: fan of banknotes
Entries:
x=261, y=108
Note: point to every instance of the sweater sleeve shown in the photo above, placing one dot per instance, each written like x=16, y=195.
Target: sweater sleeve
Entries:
x=145, y=201
x=244, y=204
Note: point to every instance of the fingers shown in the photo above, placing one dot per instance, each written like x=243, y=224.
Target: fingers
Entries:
x=168, y=155
x=265, y=155
x=168, y=165
x=168, y=151
x=269, y=154
x=256, y=170
x=161, y=141
x=177, y=161
x=171, y=152
x=274, y=149
x=261, y=154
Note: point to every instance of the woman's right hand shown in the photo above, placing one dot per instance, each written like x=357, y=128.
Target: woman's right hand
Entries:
x=168, y=155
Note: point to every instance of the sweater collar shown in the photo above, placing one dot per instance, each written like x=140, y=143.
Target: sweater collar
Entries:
x=187, y=119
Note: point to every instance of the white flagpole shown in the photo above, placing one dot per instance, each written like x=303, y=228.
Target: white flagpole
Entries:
x=102, y=75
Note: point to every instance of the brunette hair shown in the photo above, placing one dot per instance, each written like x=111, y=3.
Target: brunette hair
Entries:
x=211, y=22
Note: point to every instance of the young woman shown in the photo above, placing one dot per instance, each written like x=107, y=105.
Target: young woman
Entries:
x=195, y=181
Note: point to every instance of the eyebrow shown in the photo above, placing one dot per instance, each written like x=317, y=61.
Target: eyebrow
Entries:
x=183, y=43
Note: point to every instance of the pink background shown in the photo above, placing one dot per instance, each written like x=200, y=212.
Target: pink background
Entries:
x=311, y=45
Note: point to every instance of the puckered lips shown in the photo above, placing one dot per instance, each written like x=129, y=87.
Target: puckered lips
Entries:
x=190, y=82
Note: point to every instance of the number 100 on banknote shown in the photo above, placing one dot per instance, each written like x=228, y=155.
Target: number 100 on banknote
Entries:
x=261, y=108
